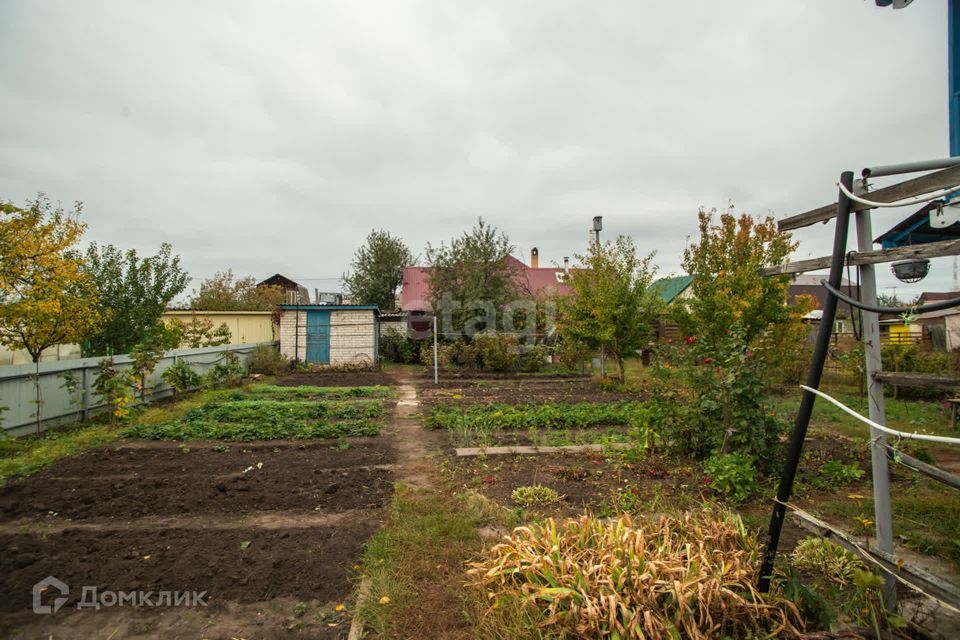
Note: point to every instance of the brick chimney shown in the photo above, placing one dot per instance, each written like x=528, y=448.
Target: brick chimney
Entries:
x=534, y=258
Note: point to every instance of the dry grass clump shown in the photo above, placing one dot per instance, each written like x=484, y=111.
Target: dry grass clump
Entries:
x=688, y=576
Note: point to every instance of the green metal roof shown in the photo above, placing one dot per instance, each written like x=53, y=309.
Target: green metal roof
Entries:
x=670, y=288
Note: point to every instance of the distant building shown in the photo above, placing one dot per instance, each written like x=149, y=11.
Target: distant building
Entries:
x=296, y=293
x=534, y=280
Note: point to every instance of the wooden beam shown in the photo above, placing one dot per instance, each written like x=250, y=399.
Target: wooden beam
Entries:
x=927, y=250
x=908, y=189
x=918, y=380
x=935, y=473
x=916, y=577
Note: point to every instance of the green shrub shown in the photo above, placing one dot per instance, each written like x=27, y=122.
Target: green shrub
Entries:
x=268, y=360
x=838, y=473
x=534, y=358
x=181, y=377
x=397, y=347
x=497, y=351
x=459, y=354
x=730, y=475
x=533, y=495
x=573, y=354
x=426, y=354
x=227, y=371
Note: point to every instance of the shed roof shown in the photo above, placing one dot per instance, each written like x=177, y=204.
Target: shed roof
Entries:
x=670, y=288
x=916, y=229
x=331, y=307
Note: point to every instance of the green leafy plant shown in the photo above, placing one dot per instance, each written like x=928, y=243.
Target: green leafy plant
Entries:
x=227, y=371
x=181, y=377
x=268, y=360
x=731, y=475
x=304, y=392
x=533, y=495
x=397, y=347
x=838, y=473
x=115, y=387
x=817, y=555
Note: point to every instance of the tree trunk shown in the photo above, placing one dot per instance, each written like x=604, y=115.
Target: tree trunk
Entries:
x=623, y=372
x=726, y=421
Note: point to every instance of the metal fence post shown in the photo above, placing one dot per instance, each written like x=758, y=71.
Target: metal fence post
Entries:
x=882, y=513
x=85, y=393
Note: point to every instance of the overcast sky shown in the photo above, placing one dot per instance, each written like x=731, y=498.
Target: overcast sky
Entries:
x=272, y=136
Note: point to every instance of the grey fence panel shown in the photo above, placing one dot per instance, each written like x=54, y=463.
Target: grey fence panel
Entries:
x=58, y=405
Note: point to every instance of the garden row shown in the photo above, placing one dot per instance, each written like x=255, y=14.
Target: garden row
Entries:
x=267, y=412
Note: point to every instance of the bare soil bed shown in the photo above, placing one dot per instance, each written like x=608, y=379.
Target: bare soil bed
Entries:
x=260, y=540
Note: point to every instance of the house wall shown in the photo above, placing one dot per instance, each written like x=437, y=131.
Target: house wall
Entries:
x=353, y=337
x=246, y=327
x=293, y=340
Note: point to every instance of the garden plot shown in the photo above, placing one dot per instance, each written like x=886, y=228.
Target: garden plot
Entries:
x=547, y=424
x=270, y=528
x=519, y=390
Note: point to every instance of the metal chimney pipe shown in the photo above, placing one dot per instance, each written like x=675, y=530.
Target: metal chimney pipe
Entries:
x=566, y=264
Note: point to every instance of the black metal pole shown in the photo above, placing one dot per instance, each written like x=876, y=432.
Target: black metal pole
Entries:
x=813, y=381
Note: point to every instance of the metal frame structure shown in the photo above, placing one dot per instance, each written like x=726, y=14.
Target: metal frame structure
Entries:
x=948, y=175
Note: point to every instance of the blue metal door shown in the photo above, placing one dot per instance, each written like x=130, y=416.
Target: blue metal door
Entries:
x=318, y=337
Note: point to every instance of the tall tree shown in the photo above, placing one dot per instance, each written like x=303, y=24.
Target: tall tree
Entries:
x=472, y=280
x=611, y=306
x=226, y=292
x=377, y=270
x=46, y=297
x=134, y=292
x=729, y=294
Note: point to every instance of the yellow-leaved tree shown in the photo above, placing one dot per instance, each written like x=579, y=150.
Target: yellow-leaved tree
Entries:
x=46, y=298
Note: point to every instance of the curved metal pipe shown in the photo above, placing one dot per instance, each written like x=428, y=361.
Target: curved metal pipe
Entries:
x=933, y=306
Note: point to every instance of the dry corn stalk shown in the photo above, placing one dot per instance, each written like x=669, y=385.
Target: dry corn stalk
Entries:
x=688, y=576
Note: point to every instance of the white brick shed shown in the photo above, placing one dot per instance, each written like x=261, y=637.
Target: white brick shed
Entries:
x=330, y=334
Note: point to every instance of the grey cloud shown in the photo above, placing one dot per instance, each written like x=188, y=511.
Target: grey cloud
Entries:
x=272, y=136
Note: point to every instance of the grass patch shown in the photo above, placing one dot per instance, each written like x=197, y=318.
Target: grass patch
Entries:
x=413, y=566
x=306, y=392
x=922, y=416
x=492, y=417
x=926, y=518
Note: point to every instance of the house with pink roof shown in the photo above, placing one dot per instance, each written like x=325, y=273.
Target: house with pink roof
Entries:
x=537, y=281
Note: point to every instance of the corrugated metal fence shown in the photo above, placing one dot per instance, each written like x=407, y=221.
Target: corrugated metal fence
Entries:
x=59, y=405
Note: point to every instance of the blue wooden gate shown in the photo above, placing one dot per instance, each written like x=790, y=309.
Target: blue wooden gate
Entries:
x=318, y=337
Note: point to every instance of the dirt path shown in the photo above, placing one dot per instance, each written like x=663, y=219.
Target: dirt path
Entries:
x=414, y=445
